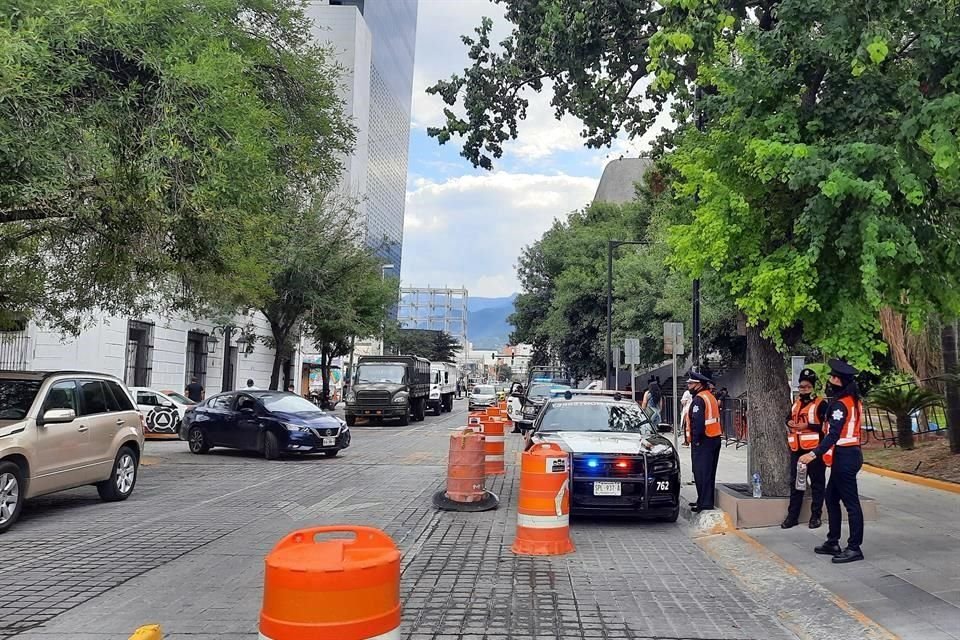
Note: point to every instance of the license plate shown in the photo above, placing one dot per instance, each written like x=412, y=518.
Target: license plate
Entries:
x=329, y=442
x=606, y=488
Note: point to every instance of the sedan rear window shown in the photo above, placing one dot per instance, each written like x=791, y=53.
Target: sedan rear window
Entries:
x=595, y=416
x=16, y=398
x=483, y=391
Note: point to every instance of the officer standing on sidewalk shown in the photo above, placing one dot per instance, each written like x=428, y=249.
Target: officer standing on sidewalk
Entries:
x=804, y=433
x=842, y=442
x=704, y=434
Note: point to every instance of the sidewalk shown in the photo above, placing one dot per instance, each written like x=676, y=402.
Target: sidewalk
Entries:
x=910, y=580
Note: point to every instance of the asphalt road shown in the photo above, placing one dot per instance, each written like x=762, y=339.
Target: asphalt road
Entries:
x=186, y=550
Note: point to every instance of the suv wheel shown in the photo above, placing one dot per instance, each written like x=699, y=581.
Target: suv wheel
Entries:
x=198, y=441
x=11, y=494
x=122, y=479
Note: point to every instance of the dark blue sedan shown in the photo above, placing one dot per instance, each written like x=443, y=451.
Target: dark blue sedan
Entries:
x=270, y=422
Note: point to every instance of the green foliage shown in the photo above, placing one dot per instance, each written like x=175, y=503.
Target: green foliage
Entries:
x=145, y=148
x=436, y=346
x=902, y=401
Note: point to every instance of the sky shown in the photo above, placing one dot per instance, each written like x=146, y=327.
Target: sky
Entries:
x=465, y=226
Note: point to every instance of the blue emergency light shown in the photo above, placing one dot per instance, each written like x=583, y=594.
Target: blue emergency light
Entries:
x=593, y=463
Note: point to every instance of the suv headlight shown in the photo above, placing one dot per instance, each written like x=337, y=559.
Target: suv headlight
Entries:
x=295, y=427
x=400, y=398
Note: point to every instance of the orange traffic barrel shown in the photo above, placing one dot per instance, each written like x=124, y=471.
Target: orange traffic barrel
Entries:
x=343, y=588
x=493, y=412
x=492, y=429
x=543, y=510
x=466, y=475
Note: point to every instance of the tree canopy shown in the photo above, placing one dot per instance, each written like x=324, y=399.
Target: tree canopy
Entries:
x=146, y=148
x=436, y=346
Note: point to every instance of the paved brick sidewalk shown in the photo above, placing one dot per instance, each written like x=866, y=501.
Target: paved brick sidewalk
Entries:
x=187, y=551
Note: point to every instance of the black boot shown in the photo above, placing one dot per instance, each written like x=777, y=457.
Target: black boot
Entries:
x=789, y=523
x=815, y=522
x=848, y=555
x=829, y=549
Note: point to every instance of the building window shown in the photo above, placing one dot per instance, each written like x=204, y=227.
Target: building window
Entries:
x=139, y=364
x=196, y=358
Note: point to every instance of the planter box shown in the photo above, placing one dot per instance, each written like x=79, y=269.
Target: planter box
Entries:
x=747, y=512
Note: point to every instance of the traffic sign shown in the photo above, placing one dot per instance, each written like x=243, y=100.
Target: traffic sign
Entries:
x=673, y=338
x=631, y=351
x=797, y=363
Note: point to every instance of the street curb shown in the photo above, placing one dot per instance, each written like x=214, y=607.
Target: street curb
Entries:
x=922, y=481
x=815, y=614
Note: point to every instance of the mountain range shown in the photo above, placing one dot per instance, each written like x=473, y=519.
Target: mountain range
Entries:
x=487, y=325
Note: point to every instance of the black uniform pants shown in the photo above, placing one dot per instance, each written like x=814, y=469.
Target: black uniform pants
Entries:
x=843, y=488
x=816, y=480
x=705, y=458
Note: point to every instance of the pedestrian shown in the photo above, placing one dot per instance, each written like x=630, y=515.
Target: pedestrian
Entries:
x=291, y=388
x=652, y=398
x=841, y=445
x=704, y=434
x=250, y=385
x=194, y=390
x=804, y=433
x=685, y=401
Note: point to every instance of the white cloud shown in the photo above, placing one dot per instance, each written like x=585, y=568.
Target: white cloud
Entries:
x=480, y=225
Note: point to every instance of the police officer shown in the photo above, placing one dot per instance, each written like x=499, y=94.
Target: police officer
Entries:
x=804, y=433
x=842, y=444
x=704, y=434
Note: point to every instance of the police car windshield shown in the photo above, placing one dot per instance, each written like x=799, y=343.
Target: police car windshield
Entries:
x=544, y=390
x=595, y=416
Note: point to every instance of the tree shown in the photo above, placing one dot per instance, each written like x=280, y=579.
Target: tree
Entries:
x=504, y=372
x=823, y=186
x=143, y=145
x=355, y=308
x=436, y=346
x=316, y=258
x=903, y=401
x=948, y=337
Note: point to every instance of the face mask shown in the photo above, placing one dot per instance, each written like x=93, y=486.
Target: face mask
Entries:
x=834, y=389
x=806, y=396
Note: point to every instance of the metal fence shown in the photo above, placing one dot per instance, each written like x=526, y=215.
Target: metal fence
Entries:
x=14, y=350
x=733, y=419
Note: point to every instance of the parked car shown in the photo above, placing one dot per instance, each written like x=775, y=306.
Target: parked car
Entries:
x=622, y=465
x=536, y=396
x=162, y=411
x=481, y=397
x=270, y=422
x=65, y=429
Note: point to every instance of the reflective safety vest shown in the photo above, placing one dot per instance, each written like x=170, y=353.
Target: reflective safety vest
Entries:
x=803, y=437
x=850, y=431
x=711, y=418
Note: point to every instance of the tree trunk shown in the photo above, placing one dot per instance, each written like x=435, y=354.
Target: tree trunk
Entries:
x=325, y=373
x=948, y=341
x=275, y=372
x=905, y=432
x=768, y=402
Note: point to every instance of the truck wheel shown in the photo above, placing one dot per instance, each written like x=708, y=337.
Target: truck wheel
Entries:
x=448, y=403
x=420, y=410
x=405, y=418
x=350, y=420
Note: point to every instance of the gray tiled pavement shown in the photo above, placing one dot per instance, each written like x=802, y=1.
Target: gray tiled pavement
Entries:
x=187, y=551
x=910, y=580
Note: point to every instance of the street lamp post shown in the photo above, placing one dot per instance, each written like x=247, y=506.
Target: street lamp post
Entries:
x=611, y=245
x=383, y=276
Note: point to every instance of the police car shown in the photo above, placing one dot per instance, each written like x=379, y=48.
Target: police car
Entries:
x=536, y=397
x=622, y=465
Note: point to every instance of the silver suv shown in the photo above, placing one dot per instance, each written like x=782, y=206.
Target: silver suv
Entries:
x=65, y=429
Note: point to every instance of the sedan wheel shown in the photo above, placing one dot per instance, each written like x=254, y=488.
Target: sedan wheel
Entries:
x=198, y=442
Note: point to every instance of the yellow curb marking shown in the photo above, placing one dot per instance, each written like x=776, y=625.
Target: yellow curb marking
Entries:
x=149, y=632
x=923, y=481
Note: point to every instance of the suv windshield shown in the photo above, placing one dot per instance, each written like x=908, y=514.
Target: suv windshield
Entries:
x=595, y=416
x=390, y=372
x=16, y=397
x=287, y=402
x=540, y=391
x=483, y=390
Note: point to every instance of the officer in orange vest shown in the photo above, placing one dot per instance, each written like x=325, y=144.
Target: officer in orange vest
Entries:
x=704, y=434
x=842, y=442
x=804, y=433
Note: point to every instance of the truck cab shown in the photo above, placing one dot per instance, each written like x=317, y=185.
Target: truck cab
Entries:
x=389, y=388
x=443, y=387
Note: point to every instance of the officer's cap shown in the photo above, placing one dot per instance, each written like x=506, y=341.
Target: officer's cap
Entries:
x=841, y=369
x=694, y=376
x=808, y=375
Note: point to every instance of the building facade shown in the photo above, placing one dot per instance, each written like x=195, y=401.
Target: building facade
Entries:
x=435, y=309
x=374, y=41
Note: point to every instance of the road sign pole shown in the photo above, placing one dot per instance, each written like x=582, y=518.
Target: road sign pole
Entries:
x=633, y=382
x=676, y=404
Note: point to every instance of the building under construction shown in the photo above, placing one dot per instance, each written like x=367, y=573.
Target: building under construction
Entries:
x=438, y=309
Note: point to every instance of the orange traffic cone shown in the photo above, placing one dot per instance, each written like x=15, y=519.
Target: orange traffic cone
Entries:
x=311, y=587
x=466, y=475
x=543, y=511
